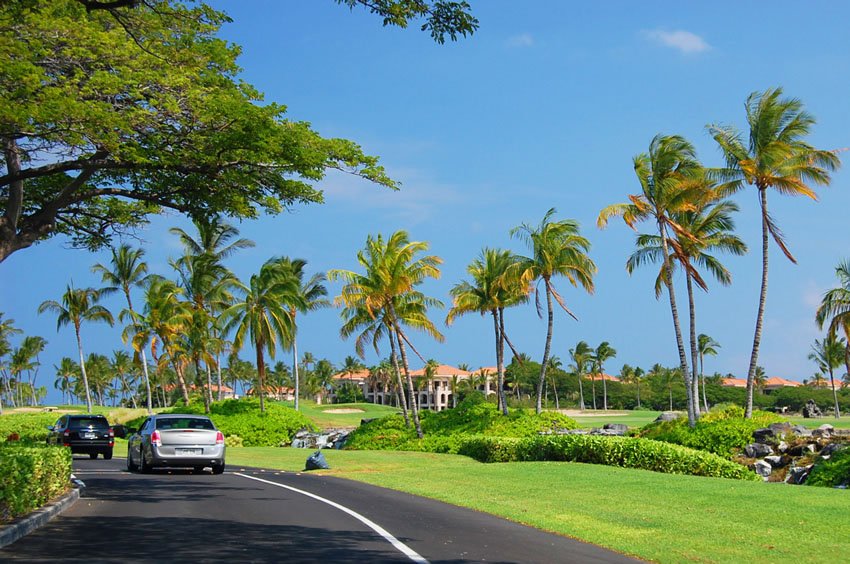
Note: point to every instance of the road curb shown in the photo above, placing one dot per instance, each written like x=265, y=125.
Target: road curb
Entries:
x=38, y=518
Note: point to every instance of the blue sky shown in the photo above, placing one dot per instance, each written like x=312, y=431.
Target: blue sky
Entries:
x=544, y=106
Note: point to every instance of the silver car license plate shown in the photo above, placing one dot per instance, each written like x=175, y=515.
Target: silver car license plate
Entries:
x=89, y=435
x=189, y=450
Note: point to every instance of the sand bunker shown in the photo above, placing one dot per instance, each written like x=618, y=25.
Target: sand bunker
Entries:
x=343, y=410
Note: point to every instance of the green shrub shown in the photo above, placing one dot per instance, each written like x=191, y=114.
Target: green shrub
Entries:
x=445, y=430
x=833, y=472
x=30, y=476
x=233, y=441
x=624, y=452
x=721, y=431
x=30, y=427
x=243, y=418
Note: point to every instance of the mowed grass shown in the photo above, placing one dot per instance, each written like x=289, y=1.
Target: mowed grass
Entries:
x=597, y=418
x=328, y=416
x=842, y=423
x=660, y=517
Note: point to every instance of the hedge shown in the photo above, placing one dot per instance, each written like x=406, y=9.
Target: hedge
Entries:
x=625, y=452
x=832, y=473
x=28, y=426
x=30, y=476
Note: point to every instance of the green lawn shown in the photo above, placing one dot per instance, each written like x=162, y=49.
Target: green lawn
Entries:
x=597, y=418
x=843, y=423
x=326, y=416
x=660, y=517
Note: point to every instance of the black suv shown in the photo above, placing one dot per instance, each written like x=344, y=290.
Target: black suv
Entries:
x=85, y=434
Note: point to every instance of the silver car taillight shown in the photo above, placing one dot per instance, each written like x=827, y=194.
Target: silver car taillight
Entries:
x=219, y=438
x=156, y=439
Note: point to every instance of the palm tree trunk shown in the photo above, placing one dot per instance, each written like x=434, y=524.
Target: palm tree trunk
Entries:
x=555, y=390
x=181, y=380
x=295, y=370
x=683, y=361
x=500, y=359
x=399, y=385
x=261, y=375
x=702, y=377
x=83, y=367
x=197, y=363
x=549, y=327
x=748, y=412
x=604, y=389
x=414, y=403
x=693, y=327
x=593, y=389
x=218, y=373
x=638, y=392
x=580, y=390
x=209, y=382
x=834, y=393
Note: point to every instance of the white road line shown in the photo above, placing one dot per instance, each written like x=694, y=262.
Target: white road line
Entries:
x=400, y=546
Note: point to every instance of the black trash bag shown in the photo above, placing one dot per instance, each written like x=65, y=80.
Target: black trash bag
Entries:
x=316, y=461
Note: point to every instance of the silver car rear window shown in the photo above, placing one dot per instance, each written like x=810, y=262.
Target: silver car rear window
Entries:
x=184, y=423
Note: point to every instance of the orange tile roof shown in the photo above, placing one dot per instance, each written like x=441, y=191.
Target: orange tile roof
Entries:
x=359, y=375
x=193, y=387
x=442, y=370
x=733, y=383
x=777, y=382
x=602, y=377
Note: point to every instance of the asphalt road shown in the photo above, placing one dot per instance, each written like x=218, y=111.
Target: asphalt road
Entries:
x=250, y=515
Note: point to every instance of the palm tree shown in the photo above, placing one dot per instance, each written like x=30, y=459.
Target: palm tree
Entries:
x=78, y=305
x=66, y=373
x=835, y=308
x=492, y=290
x=705, y=346
x=29, y=350
x=310, y=297
x=582, y=356
x=603, y=353
x=263, y=314
x=7, y=328
x=122, y=367
x=557, y=249
x=637, y=374
x=386, y=291
x=828, y=354
x=672, y=182
x=127, y=270
x=708, y=227
x=773, y=157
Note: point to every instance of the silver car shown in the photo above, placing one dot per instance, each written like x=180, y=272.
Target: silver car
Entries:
x=175, y=439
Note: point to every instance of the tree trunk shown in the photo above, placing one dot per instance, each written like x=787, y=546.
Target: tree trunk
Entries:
x=261, y=375
x=834, y=393
x=181, y=380
x=295, y=371
x=209, y=382
x=197, y=364
x=549, y=326
x=580, y=390
x=702, y=377
x=500, y=366
x=414, y=402
x=399, y=385
x=683, y=361
x=498, y=335
x=604, y=389
x=693, y=327
x=593, y=389
x=218, y=374
x=83, y=367
x=748, y=412
x=638, y=392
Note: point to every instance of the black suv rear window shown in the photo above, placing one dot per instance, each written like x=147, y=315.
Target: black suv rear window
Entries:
x=86, y=422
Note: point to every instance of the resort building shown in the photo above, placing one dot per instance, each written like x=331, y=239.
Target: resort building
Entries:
x=435, y=389
x=770, y=384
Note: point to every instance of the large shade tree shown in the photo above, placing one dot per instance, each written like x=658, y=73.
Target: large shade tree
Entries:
x=773, y=156
x=556, y=249
x=78, y=305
